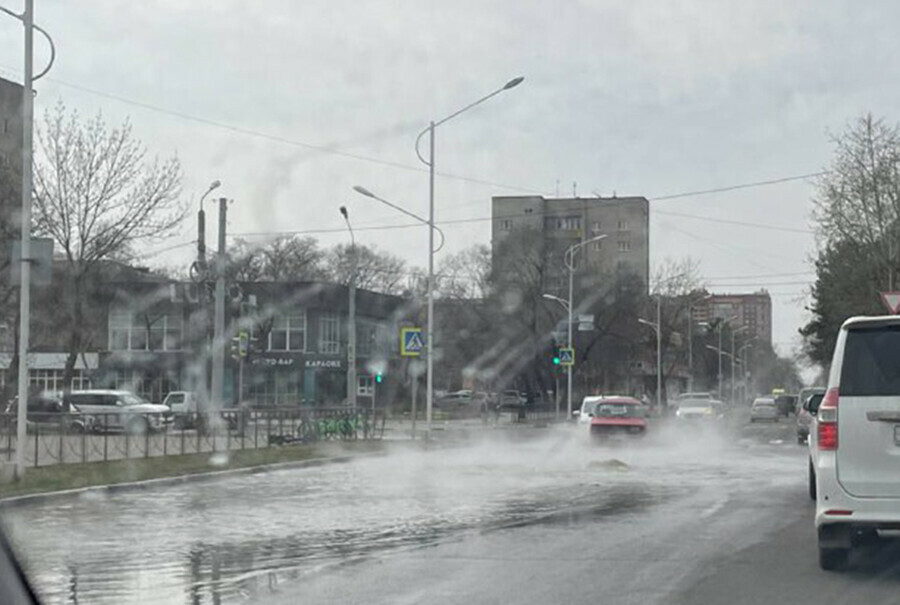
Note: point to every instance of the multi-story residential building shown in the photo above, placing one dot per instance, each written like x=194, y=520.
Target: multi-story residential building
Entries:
x=752, y=311
x=562, y=222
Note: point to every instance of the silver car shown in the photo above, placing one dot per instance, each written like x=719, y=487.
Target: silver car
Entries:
x=764, y=408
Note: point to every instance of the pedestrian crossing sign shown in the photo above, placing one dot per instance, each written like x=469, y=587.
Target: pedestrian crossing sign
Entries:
x=412, y=342
x=567, y=357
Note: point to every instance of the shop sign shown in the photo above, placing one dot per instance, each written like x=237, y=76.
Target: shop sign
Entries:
x=273, y=361
x=324, y=363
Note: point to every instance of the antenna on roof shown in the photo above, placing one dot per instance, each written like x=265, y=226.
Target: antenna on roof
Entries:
x=574, y=188
x=557, y=187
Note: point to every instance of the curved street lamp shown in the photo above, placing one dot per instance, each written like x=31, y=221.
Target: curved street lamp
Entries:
x=429, y=339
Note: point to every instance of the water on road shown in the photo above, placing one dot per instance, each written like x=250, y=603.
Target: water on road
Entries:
x=236, y=539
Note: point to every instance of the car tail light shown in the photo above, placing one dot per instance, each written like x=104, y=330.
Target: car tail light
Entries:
x=827, y=426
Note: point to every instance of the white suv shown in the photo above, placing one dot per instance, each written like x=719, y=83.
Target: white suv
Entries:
x=854, y=439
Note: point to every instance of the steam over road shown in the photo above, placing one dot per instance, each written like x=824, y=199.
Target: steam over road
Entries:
x=538, y=516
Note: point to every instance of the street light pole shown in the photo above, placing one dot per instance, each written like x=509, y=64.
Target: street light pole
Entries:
x=656, y=328
x=429, y=338
x=25, y=253
x=721, y=325
x=733, y=338
x=351, y=318
x=569, y=261
x=659, y=368
x=568, y=307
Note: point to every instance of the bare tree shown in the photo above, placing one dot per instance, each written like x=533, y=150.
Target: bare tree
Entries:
x=375, y=270
x=859, y=197
x=677, y=285
x=97, y=195
x=466, y=274
x=285, y=258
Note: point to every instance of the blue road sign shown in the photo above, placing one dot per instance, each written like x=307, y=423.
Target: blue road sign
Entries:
x=412, y=342
x=566, y=357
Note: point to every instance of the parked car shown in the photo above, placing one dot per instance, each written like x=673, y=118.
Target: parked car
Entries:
x=764, y=408
x=617, y=416
x=700, y=410
x=187, y=410
x=855, y=437
x=50, y=413
x=810, y=400
x=121, y=410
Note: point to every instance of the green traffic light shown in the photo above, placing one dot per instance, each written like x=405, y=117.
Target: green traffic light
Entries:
x=378, y=378
x=556, y=361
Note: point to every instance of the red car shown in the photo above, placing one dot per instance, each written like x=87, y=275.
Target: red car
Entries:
x=618, y=416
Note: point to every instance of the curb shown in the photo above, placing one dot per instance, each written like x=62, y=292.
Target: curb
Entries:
x=41, y=498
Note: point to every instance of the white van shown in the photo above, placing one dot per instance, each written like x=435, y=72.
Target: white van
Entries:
x=854, y=439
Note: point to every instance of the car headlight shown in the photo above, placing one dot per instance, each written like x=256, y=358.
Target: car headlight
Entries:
x=678, y=413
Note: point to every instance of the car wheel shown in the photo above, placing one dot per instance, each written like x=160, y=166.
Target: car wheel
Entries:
x=833, y=559
x=76, y=428
x=812, y=481
x=801, y=440
x=138, y=426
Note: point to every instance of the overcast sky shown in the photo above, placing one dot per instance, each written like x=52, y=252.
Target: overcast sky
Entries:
x=633, y=97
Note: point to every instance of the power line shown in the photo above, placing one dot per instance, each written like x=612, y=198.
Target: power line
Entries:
x=730, y=277
x=777, y=181
x=733, y=222
x=283, y=140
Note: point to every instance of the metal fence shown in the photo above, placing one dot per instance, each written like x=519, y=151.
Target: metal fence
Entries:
x=66, y=438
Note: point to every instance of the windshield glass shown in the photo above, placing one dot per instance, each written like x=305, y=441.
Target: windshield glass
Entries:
x=448, y=302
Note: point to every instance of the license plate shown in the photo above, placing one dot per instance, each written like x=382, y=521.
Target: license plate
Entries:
x=897, y=434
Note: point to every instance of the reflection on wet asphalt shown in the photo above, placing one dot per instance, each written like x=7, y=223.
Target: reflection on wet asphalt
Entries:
x=235, y=539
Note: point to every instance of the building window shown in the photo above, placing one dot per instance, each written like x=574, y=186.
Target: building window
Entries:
x=623, y=225
x=597, y=246
x=595, y=227
x=563, y=223
x=529, y=210
x=624, y=246
x=506, y=225
x=52, y=380
x=288, y=333
x=137, y=332
x=329, y=334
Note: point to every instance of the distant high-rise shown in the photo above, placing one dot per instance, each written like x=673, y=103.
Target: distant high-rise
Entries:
x=752, y=311
x=562, y=222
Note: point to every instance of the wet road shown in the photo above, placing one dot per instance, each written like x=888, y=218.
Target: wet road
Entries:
x=538, y=516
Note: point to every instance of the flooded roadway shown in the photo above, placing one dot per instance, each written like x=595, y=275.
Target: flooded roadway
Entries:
x=250, y=538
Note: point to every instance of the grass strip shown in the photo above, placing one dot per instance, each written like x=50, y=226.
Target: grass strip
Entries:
x=73, y=476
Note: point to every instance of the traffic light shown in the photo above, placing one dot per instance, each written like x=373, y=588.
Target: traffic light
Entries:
x=555, y=357
x=378, y=377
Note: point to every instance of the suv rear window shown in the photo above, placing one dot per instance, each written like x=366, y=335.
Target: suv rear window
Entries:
x=871, y=364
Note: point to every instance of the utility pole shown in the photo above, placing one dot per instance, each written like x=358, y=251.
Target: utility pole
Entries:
x=659, y=368
x=25, y=273
x=351, y=318
x=218, y=352
x=721, y=324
